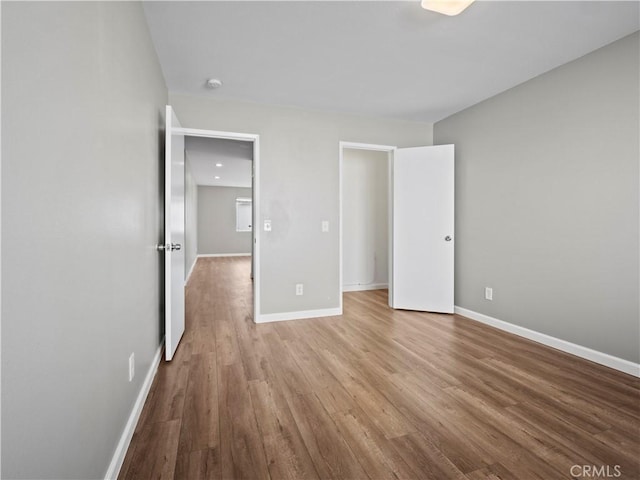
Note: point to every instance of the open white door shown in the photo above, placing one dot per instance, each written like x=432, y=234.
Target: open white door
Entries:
x=423, y=221
x=174, y=234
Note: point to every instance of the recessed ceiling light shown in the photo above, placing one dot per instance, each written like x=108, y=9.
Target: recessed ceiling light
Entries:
x=217, y=177
x=218, y=164
x=446, y=7
x=214, y=83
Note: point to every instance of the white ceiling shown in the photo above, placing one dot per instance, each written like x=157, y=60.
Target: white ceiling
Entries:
x=235, y=157
x=390, y=59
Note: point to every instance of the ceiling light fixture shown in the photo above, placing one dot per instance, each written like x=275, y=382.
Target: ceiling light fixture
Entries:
x=217, y=177
x=218, y=164
x=446, y=7
x=214, y=83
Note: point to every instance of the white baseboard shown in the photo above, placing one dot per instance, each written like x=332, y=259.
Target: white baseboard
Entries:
x=605, y=359
x=204, y=255
x=193, y=265
x=280, y=317
x=361, y=288
x=121, y=450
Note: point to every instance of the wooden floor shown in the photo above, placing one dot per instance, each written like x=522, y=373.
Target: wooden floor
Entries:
x=374, y=394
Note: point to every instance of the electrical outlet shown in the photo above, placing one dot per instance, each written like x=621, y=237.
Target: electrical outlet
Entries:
x=488, y=293
x=299, y=289
x=132, y=366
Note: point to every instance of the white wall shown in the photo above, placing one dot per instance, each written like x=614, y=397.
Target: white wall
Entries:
x=547, y=204
x=82, y=107
x=217, y=221
x=190, y=217
x=299, y=175
x=365, y=218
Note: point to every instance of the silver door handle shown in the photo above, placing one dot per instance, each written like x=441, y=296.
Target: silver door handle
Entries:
x=169, y=247
x=447, y=238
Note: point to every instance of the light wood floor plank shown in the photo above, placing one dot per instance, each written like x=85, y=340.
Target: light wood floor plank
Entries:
x=200, y=432
x=154, y=452
x=425, y=459
x=374, y=452
x=329, y=451
x=241, y=446
x=287, y=456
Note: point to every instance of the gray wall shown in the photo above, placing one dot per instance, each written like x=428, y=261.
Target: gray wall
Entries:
x=217, y=221
x=547, y=201
x=190, y=217
x=82, y=100
x=299, y=157
x=365, y=217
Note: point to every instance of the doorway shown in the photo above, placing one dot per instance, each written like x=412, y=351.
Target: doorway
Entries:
x=365, y=217
x=365, y=214
x=174, y=231
x=420, y=220
x=252, y=142
x=219, y=198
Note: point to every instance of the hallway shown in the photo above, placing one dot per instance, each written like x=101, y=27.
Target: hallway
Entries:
x=375, y=393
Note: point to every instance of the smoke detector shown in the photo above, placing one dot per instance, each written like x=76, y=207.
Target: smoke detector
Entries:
x=213, y=83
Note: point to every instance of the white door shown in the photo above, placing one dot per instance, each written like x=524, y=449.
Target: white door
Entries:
x=174, y=269
x=422, y=241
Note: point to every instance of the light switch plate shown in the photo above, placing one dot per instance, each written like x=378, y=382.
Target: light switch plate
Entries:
x=325, y=226
x=267, y=225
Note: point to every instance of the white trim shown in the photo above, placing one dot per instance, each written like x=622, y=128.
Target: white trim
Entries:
x=193, y=265
x=195, y=132
x=169, y=113
x=257, y=220
x=390, y=226
x=207, y=255
x=361, y=287
x=601, y=358
x=378, y=148
x=125, y=439
x=0, y=259
x=367, y=146
x=280, y=317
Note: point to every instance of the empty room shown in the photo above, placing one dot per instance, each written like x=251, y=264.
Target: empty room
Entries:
x=320, y=239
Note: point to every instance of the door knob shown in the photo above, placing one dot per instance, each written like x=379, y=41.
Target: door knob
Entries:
x=169, y=246
x=447, y=238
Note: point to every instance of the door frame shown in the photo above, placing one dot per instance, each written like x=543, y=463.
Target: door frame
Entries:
x=390, y=153
x=255, y=232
